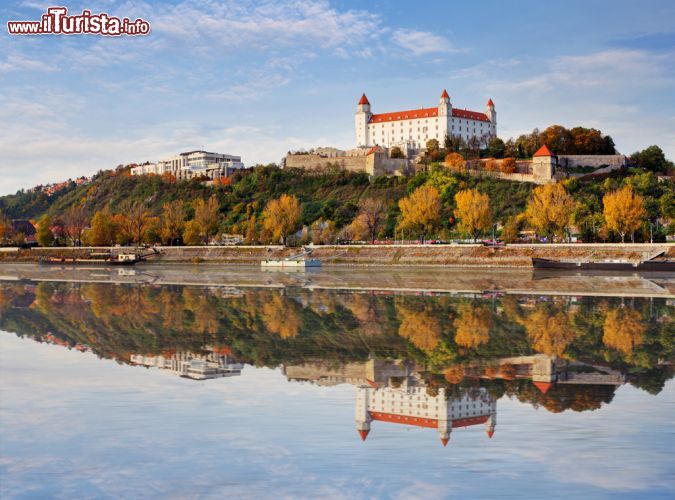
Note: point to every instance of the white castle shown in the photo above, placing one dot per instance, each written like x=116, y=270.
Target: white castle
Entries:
x=413, y=128
x=412, y=405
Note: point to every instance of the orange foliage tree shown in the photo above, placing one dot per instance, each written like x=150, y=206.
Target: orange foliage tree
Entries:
x=420, y=327
x=508, y=166
x=455, y=161
x=623, y=329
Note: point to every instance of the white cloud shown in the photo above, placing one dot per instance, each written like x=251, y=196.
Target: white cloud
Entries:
x=421, y=42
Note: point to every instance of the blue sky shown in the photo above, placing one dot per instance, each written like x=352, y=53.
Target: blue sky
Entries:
x=260, y=78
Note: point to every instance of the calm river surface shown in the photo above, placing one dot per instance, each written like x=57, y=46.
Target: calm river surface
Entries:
x=339, y=384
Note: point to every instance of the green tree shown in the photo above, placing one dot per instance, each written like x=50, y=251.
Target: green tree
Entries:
x=651, y=158
x=44, y=235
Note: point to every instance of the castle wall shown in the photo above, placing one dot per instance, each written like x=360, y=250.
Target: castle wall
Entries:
x=377, y=163
x=616, y=161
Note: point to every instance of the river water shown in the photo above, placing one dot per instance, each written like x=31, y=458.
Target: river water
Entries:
x=387, y=384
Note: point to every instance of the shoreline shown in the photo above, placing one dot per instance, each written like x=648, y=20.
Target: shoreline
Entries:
x=400, y=280
x=516, y=256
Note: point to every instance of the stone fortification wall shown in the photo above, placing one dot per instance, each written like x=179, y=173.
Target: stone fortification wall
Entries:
x=616, y=161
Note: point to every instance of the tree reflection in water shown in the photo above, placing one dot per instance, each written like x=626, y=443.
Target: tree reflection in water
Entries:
x=558, y=353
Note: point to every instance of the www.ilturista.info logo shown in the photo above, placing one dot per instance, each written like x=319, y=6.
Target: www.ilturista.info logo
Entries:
x=56, y=21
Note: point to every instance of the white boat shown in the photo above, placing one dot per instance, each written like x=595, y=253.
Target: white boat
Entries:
x=298, y=261
x=294, y=264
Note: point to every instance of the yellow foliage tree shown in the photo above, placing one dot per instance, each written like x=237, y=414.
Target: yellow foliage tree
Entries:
x=473, y=325
x=623, y=330
x=624, y=211
x=281, y=316
x=549, y=210
x=282, y=217
x=473, y=212
x=455, y=161
x=550, y=331
x=207, y=216
x=173, y=221
x=191, y=233
x=420, y=212
x=420, y=327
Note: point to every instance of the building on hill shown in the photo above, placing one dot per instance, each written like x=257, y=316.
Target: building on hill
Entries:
x=373, y=161
x=192, y=164
x=411, y=129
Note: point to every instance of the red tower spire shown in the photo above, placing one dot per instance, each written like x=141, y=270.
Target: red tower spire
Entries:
x=364, y=99
x=363, y=434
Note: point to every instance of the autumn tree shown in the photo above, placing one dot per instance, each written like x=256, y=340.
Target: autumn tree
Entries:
x=138, y=222
x=281, y=316
x=282, y=217
x=508, y=166
x=472, y=325
x=558, y=139
x=103, y=230
x=420, y=212
x=432, y=145
x=75, y=221
x=549, y=210
x=371, y=217
x=44, y=235
x=473, y=212
x=191, y=233
x=624, y=211
x=173, y=221
x=623, y=329
x=455, y=161
x=5, y=229
x=491, y=165
x=422, y=328
x=207, y=216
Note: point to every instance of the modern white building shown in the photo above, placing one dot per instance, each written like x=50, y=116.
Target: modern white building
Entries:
x=411, y=129
x=193, y=164
x=411, y=404
x=197, y=366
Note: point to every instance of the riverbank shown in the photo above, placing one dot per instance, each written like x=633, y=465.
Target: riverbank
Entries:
x=398, y=280
x=510, y=256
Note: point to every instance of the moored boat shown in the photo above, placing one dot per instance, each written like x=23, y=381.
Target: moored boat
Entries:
x=615, y=265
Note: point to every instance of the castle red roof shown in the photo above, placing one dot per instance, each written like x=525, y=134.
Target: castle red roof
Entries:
x=490, y=103
x=543, y=151
x=414, y=114
x=363, y=100
x=445, y=95
x=431, y=423
x=490, y=434
x=543, y=386
x=363, y=434
x=445, y=441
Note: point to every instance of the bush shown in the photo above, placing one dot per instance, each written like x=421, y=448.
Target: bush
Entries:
x=508, y=166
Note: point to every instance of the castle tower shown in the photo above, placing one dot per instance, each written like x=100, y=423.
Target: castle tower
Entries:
x=444, y=417
x=543, y=164
x=490, y=112
x=361, y=414
x=444, y=116
x=361, y=119
x=491, y=421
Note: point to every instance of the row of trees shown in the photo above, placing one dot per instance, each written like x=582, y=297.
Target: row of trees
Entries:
x=550, y=212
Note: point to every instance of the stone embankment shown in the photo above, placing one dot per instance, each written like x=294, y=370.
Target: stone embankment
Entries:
x=382, y=255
